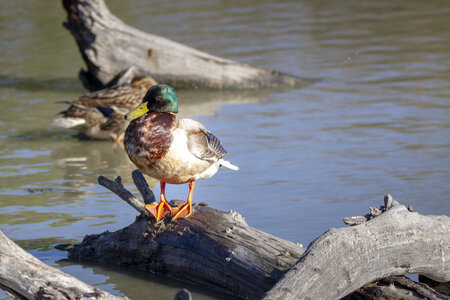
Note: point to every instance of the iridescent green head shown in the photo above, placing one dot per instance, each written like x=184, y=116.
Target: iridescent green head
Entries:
x=159, y=98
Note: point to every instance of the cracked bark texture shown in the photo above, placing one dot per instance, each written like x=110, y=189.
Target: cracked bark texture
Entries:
x=397, y=242
x=211, y=248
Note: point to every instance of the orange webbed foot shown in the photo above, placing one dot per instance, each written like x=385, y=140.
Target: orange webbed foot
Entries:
x=161, y=209
x=185, y=210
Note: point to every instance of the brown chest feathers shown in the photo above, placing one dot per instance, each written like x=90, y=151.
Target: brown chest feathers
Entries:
x=149, y=137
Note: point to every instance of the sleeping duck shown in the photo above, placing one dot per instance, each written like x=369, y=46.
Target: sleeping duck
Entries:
x=99, y=114
x=172, y=150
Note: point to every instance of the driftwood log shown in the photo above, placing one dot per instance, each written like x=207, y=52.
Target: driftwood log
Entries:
x=25, y=277
x=396, y=242
x=109, y=47
x=219, y=250
x=229, y=256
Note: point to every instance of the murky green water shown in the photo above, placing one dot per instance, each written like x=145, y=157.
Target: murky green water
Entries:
x=378, y=121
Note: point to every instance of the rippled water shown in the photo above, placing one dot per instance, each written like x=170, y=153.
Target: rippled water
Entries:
x=377, y=122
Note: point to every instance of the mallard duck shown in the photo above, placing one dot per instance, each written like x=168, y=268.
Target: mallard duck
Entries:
x=99, y=114
x=172, y=150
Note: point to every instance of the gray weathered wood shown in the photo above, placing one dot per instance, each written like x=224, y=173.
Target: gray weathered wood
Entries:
x=110, y=47
x=26, y=277
x=211, y=248
x=144, y=189
x=128, y=197
x=342, y=260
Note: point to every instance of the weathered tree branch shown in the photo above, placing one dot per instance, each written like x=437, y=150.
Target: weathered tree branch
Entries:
x=26, y=277
x=342, y=260
x=141, y=184
x=117, y=187
x=109, y=47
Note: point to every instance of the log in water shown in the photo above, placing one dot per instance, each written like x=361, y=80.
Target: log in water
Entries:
x=110, y=47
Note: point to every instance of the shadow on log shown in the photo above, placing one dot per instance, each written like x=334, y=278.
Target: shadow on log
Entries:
x=394, y=288
x=441, y=287
x=219, y=250
x=109, y=47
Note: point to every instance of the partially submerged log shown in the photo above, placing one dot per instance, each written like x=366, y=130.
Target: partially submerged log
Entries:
x=220, y=251
x=210, y=248
x=109, y=47
x=397, y=242
x=26, y=277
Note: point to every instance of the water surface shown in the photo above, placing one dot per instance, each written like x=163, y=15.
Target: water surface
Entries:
x=377, y=122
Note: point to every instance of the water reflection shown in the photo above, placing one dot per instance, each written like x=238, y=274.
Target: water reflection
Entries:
x=42, y=244
x=33, y=84
x=139, y=284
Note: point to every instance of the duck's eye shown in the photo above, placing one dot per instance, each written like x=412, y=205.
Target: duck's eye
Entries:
x=158, y=98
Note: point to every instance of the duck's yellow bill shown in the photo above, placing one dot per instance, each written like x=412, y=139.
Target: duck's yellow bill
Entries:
x=137, y=112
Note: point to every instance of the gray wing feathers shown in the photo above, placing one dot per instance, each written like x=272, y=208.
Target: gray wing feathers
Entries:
x=214, y=145
x=202, y=143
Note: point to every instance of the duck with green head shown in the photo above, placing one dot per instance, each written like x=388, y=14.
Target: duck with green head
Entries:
x=172, y=150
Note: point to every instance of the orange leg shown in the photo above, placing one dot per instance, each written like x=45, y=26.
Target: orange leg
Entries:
x=184, y=211
x=117, y=139
x=161, y=209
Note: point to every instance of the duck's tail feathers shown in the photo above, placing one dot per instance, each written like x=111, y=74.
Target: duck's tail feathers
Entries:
x=67, y=122
x=228, y=165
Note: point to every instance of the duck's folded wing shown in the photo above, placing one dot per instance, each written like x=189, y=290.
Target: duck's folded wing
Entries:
x=202, y=143
x=121, y=96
